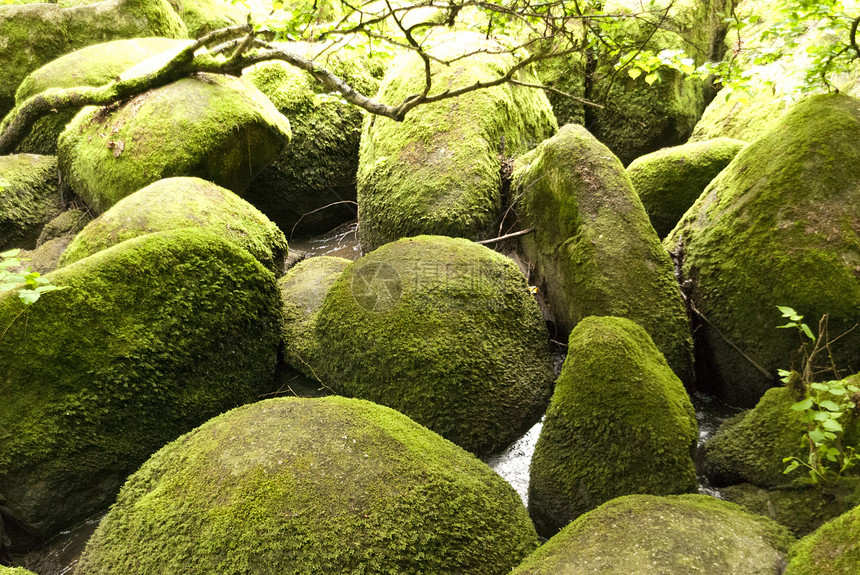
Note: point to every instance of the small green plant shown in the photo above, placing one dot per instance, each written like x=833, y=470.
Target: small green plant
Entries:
x=30, y=285
x=824, y=406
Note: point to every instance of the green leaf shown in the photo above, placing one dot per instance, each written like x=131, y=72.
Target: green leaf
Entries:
x=634, y=72
x=820, y=386
x=807, y=331
x=831, y=425
x=651, y=78
x=830, y=405
x=802, y=405
x=817, y=437
x=10, y=253
x=786, y=311
x=791, y=466
x=29, y=297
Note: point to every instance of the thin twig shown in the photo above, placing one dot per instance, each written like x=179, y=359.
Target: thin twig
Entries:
x=318, y=210
x=506, y=237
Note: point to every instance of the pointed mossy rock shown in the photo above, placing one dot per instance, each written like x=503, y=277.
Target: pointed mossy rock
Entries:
x=594, y=251
x=303, y=290
x=673, y=535
x=203, y=16
x=780, y=225
x=319, y=166
x=832, y=549
x=214, y=127
x=30, y=197
x=91, y=66
x=146, y=340
x=331, y=485
x=670, y=180
x=438, y=171
x=67, y=224
x=619, y=422
x=176, y=203
x=32, y=35
x=443, y=330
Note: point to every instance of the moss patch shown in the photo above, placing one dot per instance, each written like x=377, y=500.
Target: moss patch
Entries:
x=328, y=485
x=150, y=338
x=833, y=549
x=67, y=224
x=647, y=535
x=203, y=16
x=29, y=198
x=619, y=422
x=594, y=250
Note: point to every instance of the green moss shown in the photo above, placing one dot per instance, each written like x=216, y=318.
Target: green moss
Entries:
x=438, y=172
x=33, y=35
x=328, y=485
x=91, y=66
x=670, y=180
x=594, y=250
x=213, y=127
x=67, y=224
x=14, y=571
x=148, y=339
x=567, y=75
x=619, y=423
x=833, y=549
x=319, y=167
x=779, y=226
x=176, y=203
x=739, y=116
x=647, y=535
x=443, y=330
x=203, y=16
x=29, y=198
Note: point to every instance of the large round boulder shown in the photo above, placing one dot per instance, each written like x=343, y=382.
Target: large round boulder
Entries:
x=30, y=197
x=593, y=249
x=441, y=329
x=832, y=549
x=210, y=126
x=438, y=171
x=779, y=226
x=620, y=422
x=670, y=180
x=146, y=340
x=648, y=535
x=329, y=485
x=176, y=203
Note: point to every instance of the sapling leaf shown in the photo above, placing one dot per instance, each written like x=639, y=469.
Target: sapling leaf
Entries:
x=831, y=425
x=786, y=311
x=802, y=405
x=807, y=331
x=829, y=405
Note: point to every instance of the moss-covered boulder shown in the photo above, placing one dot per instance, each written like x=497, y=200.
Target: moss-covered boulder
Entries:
x=620, y=422
x=647, y=535
x=330, y=485
x=203, y=16
x=778, y=226
x=30, y=197
x=147, y=339
x=303, y=290
x=214, y=127
x=320, y=165
x=65, y=225
x=668, y=181
x=441, y=329
x=91, y=66
x=32, y=35
x=438, y=172
x=593, y=249
x=176, y=203
x=739, y=116
x=833, y=549
x=14, y=571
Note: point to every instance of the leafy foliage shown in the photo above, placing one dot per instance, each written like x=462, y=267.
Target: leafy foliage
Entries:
x=29, y=285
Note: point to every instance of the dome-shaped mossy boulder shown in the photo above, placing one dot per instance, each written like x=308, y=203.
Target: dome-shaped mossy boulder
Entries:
x=649, y=535
x=210, y=126
x=30, y=197
x=593, y=249
x=319, y=167
x=331, y=485
x=146, y=340
x=670, y=180
x=91, y=66
x=438, y=171
x=176, y=203
x=832, y=549
x=619, y=422
x=778, y=226
x=443, y=330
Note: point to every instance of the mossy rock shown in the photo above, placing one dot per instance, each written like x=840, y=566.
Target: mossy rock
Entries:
x=620, y=422
x=147, y=339
x=32, y=35
x=670, y=180
x=778, y=226
x=320, y=165
x=594, y=250
x=566, y=74
x=443, y=330
x=91, y=66
x=214, y=127
x=649, y=535
x=438, y=171
x=204, y=16
x=30, y=197
x=739, y=116
x=14, y=571
x=832, y=549
x=801, y=508
x=176, y=203
x=303, y=290
x=329, y=485
x=67, y=224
